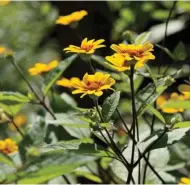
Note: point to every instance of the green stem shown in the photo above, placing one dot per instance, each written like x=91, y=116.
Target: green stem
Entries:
x=41, y=102
x=135, y=142
x=151, y=146
x=165, y=34
x=114, y=147
x=17, y=128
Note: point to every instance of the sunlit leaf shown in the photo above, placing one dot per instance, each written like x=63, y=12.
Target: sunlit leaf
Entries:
x=109, y=106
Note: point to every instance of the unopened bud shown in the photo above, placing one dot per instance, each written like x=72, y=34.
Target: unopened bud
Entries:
x=169, y=81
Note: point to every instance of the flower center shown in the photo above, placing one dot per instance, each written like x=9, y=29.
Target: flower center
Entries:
x=87, y=47
x=93, y=85
x=133, y=53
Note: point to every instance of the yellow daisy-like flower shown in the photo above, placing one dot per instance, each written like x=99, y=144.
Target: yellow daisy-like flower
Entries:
x=8, y=146
x=87, y=47
x=89, y=85
x=5, y=51
x=184, y=180
x=73, y=17
x=185, y=90
x=122, y=62
x=5, y=2
x=134, y=54
x=41, y=68
x=19, y=120
x=162, y=100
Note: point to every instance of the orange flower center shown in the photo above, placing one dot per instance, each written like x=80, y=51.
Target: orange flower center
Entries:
x=87, y=47
x=93, y=85
x=134, y=52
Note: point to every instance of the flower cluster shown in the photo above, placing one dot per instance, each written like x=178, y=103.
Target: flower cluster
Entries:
x=71, y=18
x=8, y=146
x=128, y=55
x=89, y=85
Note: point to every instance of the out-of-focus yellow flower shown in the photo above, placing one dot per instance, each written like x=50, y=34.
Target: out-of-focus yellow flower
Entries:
x=5, y=51
x=184, y=180
x=19, y=120
x=87, y=47
x=41, y=68
x=185, y=90
x=5, y=2
x=122, y=62
x=134, y=54
x=90, y=84
x=163, y=99
x=8, y=146
x=71, y=18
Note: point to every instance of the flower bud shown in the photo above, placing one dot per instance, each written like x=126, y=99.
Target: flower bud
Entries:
x=169, y=81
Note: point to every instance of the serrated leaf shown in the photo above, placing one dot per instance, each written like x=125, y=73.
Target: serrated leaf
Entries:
x=109, y=106
x=156, y=113
x=56, y=73
x=13, y=97
x=142, y=38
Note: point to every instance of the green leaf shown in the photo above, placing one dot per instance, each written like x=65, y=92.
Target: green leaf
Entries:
x=168, y=138
x=180, y=52
x=109, y=106
x=56, y=73
x=12, y=102
x=35, y=137
x=184, y=124
x=160, y=14
x=148, y=95
x=6, y=160
x=142, y=38
x=156, y=113
x=88, y=176
x=73, y=123
x=12, y=109
x=177, y=104
x=49, y=166
x=10, y=97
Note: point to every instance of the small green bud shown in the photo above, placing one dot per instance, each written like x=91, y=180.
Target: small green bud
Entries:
x=175, y=119
x=3, y=116
x=33, y=152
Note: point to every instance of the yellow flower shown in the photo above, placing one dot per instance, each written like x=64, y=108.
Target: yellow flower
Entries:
x=8, y=146
x=184, y=180
x=134, y=54
x=122, y=62
x=5, y=51
x=19, y=120
x=73, y=17
x=185, y=90
x=87, y=47
x=162, y=100
x=89, y=85
x=5, y=2
x=2, y=50
x=41, y=68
